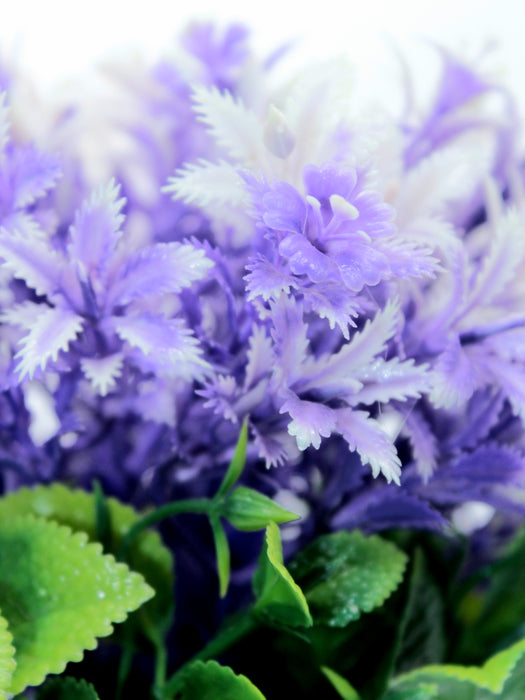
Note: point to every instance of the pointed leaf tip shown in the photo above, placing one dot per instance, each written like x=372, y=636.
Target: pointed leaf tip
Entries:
x=280, y=601
x=238, y=461
x=249, y=510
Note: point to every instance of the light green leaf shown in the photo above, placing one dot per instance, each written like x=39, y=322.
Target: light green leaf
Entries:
x=211, y=681
x=249, y=510
x=345, y=574
x=59, y=593
x=77, y=509
x=67, y=688
x=341, y=685
x=7, y=661
x=222, y=554
x=423, y=691
x=279, y=598
x=502, y=676
x=237, y=464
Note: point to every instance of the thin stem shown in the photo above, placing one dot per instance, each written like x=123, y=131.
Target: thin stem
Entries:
x=231, y=633
x=189, y=505
x=128, y=651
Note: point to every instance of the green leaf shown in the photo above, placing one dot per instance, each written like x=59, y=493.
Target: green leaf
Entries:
x=503, y=676
x=499, y=609
x=102, y=518
x=237, y=464
x=249, y=510
x=210, y=681
x=345, y=574
x=59, y=593
x=7, y=661
x=77, y=509
x=67, y=688
x=341, y=685
x=422, y=634
x=222, y=553
x=423, y=691
x=279, y=598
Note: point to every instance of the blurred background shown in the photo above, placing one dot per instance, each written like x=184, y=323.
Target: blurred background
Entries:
x=58, y=40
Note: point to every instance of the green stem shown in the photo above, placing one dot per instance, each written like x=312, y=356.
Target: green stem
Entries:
x=189, y=505
x=128, y=651
x=236, y=629
x=161, y=663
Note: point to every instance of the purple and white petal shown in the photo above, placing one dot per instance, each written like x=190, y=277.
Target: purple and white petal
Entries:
x=455, y=376
x=97, y=229
x=32, y=260
x=159, y=269
x=169, y=346
x=23, y=315
x=364, y=435
x=310, y=421
x=391, y=380
x=354, y=357
x=35, y=173
x=206, y=184
x=259, y=357
x=423, y=442
x=268, y=280
x=234, y=127
x=52, y=333
x=103, y=372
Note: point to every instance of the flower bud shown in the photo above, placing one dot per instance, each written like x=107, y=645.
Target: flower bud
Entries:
x=250, y=510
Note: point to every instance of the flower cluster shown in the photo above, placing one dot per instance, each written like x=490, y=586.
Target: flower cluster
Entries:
x=198, y=253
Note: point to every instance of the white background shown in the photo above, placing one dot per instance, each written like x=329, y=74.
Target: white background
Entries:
x=58, y=39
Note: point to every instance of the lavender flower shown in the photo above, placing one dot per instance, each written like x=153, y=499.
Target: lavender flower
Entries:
x=355, y=291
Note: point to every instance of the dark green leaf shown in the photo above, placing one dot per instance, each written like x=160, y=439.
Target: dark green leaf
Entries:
x=497, y=611
x=103, y=527
x=422, y=636
x=345, y=574
x=59, y=593
x=279, y=598
x=250, y=510
x=211, y=681
x=67, y=688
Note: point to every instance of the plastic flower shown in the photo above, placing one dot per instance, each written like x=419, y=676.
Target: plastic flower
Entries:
x=102, y=297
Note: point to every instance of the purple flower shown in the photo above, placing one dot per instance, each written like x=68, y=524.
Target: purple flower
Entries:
x=101, y=303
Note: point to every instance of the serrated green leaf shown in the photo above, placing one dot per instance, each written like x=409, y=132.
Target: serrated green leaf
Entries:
x=222, y=555
x=210, y=681
x=279, y=598
x=502, y=676
x=238, y=461
x=59, y=593
x=77, y=509
x=249, y=510
x=67, y=688
x=7, y=661
x=347, y=573
x=340, y=684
